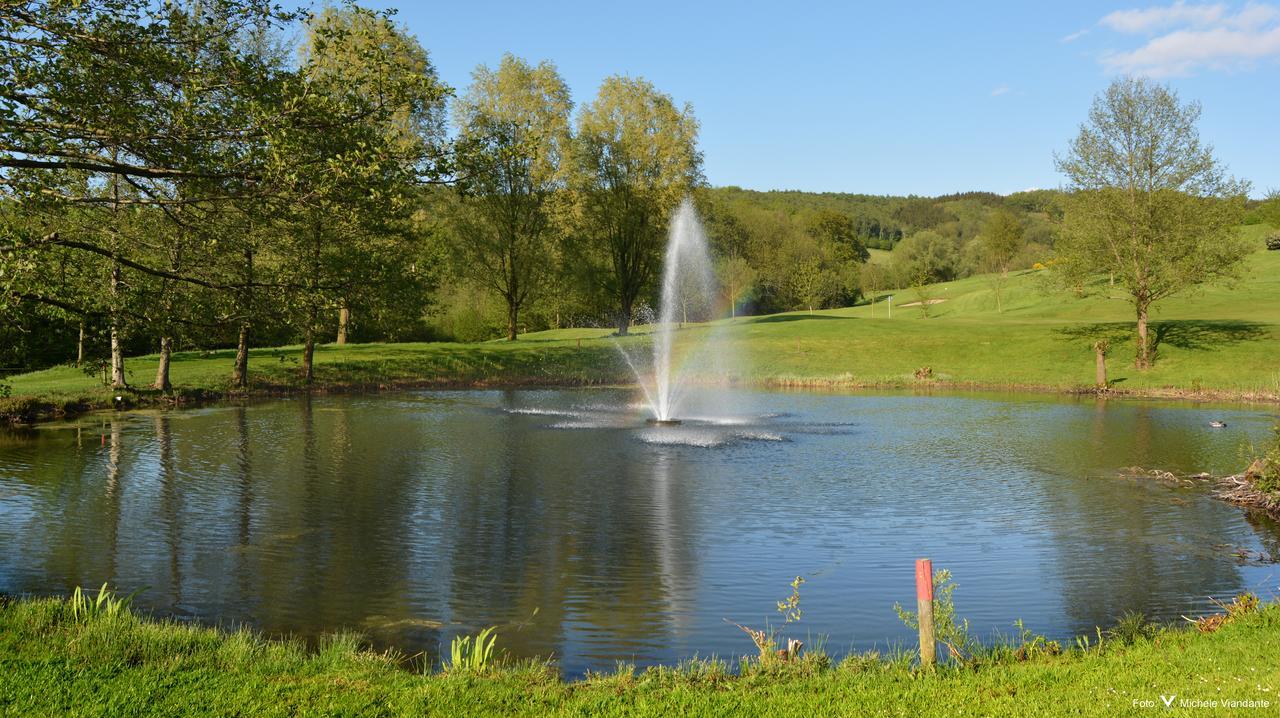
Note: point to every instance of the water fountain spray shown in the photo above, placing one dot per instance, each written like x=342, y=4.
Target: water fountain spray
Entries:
x=688, y=288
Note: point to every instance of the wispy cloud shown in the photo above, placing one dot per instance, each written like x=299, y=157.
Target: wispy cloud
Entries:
x=1074, y=36
x=1157, y=18
x=1001, y=90
x=1183, y=39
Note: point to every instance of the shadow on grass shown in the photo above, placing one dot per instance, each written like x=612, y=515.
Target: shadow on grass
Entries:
x=773, y=318
x=1195, y=335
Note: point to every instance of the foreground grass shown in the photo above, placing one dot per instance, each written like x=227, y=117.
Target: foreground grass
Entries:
x=1221, y=342
x=52, y=663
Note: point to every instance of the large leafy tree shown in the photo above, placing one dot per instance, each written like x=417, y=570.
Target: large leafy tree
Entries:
x=347, y=194
x=130, y=113
x=1151, y=205
x=635, y=158
x=513, y=133
x=352, y=50
x=839, y=230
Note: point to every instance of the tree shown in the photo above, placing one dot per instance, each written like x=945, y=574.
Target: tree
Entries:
x=514, y=131
x=350, y=191
x=737, y=279
x=1002, y=240
x=127, y=110
x=355, y=50
x=838, y=229
x=635, y=158
x=813, y=282
x=925, y=257
x=1150, y=204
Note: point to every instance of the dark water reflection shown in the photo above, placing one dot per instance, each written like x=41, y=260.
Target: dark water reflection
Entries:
x=414, y=517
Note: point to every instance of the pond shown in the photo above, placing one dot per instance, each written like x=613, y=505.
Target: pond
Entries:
x=591, y=538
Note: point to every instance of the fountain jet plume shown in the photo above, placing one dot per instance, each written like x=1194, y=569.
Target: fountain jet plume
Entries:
x=688, y=290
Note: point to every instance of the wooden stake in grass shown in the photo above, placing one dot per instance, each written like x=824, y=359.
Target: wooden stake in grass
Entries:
x=924, y=604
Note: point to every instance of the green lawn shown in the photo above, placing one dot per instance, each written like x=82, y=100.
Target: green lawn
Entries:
x=1222, y=340
x=53, y=664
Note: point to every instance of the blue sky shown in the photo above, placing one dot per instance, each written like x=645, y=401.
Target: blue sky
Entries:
x=890, y=98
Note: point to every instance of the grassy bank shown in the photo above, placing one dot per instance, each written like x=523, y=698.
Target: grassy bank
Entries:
x=54, y=663
x=1221, y=342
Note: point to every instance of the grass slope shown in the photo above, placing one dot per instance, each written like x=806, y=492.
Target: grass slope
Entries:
x=53, y=664
x=1221, y=340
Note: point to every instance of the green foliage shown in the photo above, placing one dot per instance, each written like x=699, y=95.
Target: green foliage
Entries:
x=57, y=665
x=1133, y=626
x=948, y=629
x=634, y=159
x=105, y=605
x=472, y=654
x=513, y=141
x=925, y=258
x=766, y=640
x=1151, y=206
x=1025, y=645
x=789, y=607
x=1267, y=466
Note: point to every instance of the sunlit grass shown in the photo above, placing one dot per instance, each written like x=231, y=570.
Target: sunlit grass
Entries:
x=53, y=663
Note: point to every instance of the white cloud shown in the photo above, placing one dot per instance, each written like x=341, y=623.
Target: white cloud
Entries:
x=1074, y=36
x=1157, y=18
x=1195, y=37
x=1001, y=90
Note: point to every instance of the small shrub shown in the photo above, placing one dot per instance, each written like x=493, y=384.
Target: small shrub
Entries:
x=1033, y=645
x=860, y=662
x=1265, y=471
x=950, y=632
x=1132, y=627
x=472, y=654
x=766, y=641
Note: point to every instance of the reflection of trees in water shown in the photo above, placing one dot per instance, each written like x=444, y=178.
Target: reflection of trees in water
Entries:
x=170, y=505
x=67, y=539
x=333, y=517
x=583, y=529
x=1267, y=529
x=112, y=492
x=1128, y=544
x=312, y=514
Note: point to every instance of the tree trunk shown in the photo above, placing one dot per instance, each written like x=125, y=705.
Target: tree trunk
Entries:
x=80, y=346
x=240, y=374
x=1144, y=342
x=624, y=318
x=117, y=351
x=308, y=356
x=118, y=380
x=344, y=323
x=513, y=313
x=162, y=371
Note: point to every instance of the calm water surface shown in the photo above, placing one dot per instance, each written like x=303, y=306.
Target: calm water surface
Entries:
x=591, y=538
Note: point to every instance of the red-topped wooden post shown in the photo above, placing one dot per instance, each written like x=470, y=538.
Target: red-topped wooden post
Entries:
x=924, y=605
